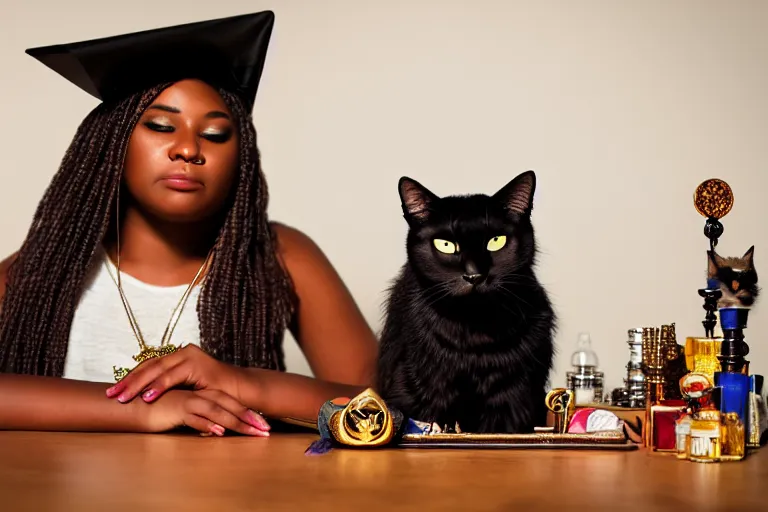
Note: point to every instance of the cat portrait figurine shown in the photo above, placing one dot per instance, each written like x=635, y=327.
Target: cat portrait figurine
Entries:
x=737, y=278
x=468, y=329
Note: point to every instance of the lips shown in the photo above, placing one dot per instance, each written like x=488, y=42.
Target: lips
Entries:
x=181, y=182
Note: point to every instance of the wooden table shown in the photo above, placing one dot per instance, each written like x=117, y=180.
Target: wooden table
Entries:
x=83, y=472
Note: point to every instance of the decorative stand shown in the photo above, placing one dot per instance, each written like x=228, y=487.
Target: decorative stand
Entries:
x=711, y=295
x=713, y=200
x=734, y=348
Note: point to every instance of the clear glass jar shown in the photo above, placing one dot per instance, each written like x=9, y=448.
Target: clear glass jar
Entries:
x=585, y=381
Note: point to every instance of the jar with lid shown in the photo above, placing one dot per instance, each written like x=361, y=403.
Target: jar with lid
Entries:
x=584, y=380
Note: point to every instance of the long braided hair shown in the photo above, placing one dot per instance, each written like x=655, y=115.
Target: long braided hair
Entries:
x=246, y=300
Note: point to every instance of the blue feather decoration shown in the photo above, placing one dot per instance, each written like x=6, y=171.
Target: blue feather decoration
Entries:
x=320, y=447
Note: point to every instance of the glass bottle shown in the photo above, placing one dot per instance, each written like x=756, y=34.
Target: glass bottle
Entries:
x=585, y=380
x=733, y=411
x=757, y=414
x=706, y=432
x=683, y=435
x=693, y=386
x=635, y=379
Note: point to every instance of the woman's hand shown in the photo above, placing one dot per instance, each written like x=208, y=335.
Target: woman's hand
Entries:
x=208, y=411
x=189, y=367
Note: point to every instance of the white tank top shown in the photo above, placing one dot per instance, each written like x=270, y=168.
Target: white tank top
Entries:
x=101, y=336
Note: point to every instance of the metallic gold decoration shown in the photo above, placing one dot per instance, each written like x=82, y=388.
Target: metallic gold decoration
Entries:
x=612, y=439
x=653, y=361
x=701, y=355
x=659, y=349
x=119, y=373
x=732, y=442
x=713, y=199
x=560, y=402
x=674, y=362
x=365, y=421
x=668, y=340
x=145, y=350
x=695, y=385
x=146, y=354
x=659, y=346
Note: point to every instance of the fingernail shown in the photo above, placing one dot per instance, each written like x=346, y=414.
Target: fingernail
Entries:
x=112, y=391
x=257, y=421
x=149, y=395
x=257, y=432
x=122, y=398
x=218, y=430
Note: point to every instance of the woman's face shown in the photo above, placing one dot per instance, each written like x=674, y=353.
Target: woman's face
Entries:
x=181, y=161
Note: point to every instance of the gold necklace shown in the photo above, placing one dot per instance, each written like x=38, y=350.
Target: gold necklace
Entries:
x=147, y=351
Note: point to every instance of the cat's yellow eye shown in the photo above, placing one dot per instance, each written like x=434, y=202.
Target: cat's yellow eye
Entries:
x=496, y=243
x=445, y=246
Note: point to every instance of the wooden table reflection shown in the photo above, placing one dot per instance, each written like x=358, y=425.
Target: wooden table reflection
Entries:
x=111, y=472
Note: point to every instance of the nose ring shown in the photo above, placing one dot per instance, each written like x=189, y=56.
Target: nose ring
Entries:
x=197, y=161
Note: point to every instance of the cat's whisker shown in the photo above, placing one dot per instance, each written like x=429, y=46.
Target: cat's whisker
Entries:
x=518, y=284
x=422, y=293
x=512, y=277
x=438, y=297
x=519, y=311
x=431, y=291
x=514, y=295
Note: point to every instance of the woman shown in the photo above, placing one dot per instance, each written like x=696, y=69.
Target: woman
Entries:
x=160, y=204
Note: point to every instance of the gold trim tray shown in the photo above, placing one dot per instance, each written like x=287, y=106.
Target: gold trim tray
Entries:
x=543, y=440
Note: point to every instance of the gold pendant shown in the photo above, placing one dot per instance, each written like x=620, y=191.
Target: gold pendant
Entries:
x=144, y=355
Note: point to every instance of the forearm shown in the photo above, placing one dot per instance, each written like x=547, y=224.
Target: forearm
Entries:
x=288, y=395
x=52, y=404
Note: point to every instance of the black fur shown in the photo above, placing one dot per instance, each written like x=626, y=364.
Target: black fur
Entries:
x=453, y=351
x=737, y=278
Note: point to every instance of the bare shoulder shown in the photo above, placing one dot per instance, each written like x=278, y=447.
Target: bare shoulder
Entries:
x=295, y=247
x=4, y=266
x=329, y=327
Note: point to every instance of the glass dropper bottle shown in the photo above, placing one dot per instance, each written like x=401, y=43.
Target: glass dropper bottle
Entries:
x=584, y=379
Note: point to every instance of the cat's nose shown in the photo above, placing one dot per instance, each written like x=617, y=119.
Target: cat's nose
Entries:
x=473, y=278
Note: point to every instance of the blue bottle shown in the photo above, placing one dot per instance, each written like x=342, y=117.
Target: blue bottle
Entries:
x=734, y=395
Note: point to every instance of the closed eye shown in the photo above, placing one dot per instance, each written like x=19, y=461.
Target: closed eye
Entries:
x=217, y=136
x=158, y=127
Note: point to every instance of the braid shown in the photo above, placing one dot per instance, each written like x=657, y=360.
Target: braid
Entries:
x=245, y=304
x=45, y=280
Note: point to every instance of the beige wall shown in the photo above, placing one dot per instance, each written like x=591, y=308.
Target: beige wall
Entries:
x=622, y=108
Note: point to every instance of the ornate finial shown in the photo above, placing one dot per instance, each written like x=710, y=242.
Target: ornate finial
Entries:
x=713, y=199
x=560, y=402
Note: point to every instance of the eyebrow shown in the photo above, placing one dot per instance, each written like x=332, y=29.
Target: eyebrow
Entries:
x=165, y=108
x=217, y=114
x=214, y=114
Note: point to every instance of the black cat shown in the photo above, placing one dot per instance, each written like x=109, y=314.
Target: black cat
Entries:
x=468, y=330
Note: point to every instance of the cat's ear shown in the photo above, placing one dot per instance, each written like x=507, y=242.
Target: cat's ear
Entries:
x=517, y=195
x=748, y=257
x=415, y=198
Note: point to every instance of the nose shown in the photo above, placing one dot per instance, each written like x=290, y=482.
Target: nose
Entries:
x=473, y=278
x=188, y=150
